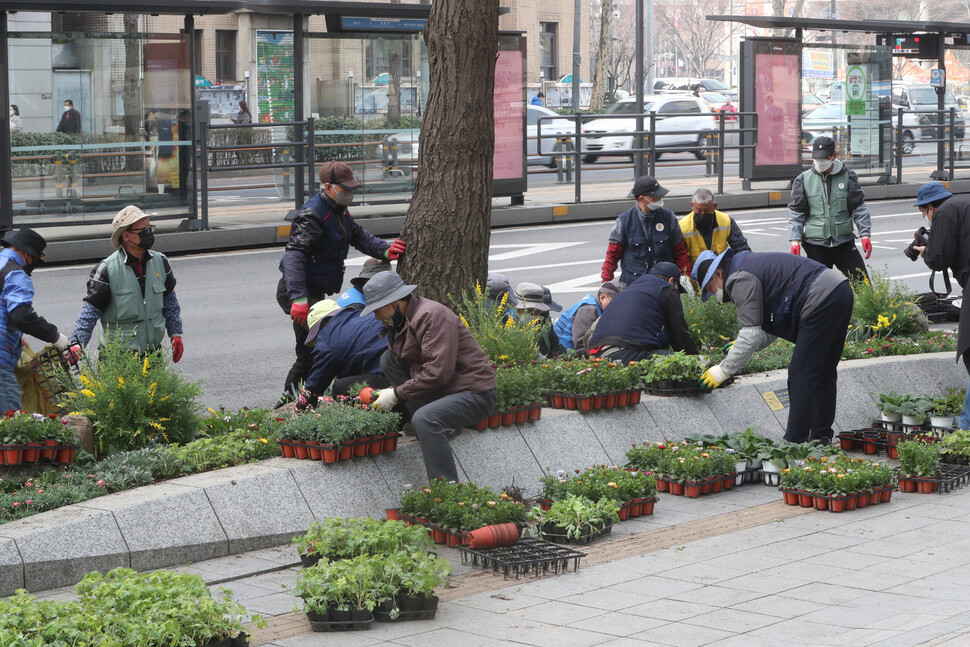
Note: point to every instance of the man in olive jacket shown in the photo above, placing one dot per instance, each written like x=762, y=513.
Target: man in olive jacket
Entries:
x=436, y=368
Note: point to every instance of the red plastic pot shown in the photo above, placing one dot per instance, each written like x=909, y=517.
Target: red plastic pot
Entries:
x=393, y=514
x=647, y=507
x=821, y=503
x=390, y=442
x=609, y=400
x=806, y=500
x=535, y=412
x=622, y=398
x=791, y=497
x=48, y=454
x=634, y=397
x=482, y=425
x=361, y=447
x=495, y=420
x=314, y=451
x=585, y=404
x=32, y=452
x=521, y=415
x=302, y=451
x=346, y=451
x=289, y=451
x=571, y=402
x=837, y=505
x=597, y=402
x=330, y=452
x=508, y=417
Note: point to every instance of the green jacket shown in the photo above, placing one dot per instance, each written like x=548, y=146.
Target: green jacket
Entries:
x=134, y=314
x=827, y=218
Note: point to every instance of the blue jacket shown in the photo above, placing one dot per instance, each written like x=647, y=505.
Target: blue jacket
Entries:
x=17, y=314
x=346, y=345
x=564, y=324
x=320, y=237
x=636, y=318
x=645, y=245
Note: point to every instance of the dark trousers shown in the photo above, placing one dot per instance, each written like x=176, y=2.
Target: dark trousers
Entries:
x=625, y=355
x=341, y=386
x=304, y=355
x=813, y=374
x=845, y=257
x=432, y=420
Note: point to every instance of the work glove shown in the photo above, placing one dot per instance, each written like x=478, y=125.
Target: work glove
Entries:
x=386, y=399
x=726, y=348
x=713, y=378
x=299, y=311
x=73, y=354
x=395, y=250
x=796, y=248
x=62, y=342
x=177, y=349
x=867, y=246
x=305, y=400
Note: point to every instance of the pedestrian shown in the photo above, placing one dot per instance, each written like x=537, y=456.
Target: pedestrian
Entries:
x=313, y=262
x=531, y=306
x=537, y=100
x=436, y=368
x=948, y=248
x=825, y=202
x=346, y=350
x=16, y=125
x=645, y=234
x=573, y=324
x=132, y=291
x=243, y=116
x=70, y=119
x=23, y=251
x=798, y=299
x=645, y=319
x=706, y=228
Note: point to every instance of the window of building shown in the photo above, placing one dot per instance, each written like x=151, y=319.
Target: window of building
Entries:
x=225, y=55
x=547, y=51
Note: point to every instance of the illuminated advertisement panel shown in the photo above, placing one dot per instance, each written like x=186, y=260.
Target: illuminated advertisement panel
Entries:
x=508, y=159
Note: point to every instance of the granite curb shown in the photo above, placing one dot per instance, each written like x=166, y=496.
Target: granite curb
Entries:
x=244, y=508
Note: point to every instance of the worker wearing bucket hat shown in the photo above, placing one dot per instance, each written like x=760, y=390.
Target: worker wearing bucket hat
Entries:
x=435, y=366
x=787, y=296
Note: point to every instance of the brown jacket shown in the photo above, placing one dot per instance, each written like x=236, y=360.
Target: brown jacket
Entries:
x=443, y=356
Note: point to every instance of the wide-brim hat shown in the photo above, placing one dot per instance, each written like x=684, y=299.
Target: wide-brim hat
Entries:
x=384, y=288
x=931, y=192
x=705, y=266
x=498, y=284
x=26, y=240
x=531, y=297
x=547, y=299
x=123, y=220
x=372, y=267
x=320, y=313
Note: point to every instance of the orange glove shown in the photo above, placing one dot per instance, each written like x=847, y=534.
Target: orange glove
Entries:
x=73, y=354
x=395, y=250
x=867, y=246
x=796, y=249
x=299, y=311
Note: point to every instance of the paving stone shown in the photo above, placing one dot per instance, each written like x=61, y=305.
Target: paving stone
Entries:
x=681, y=634
x=558, y=612
x=189, y=530
x=406, y=465
x=265, y=509
x=345, y=488
x=618, y=624
x=272, y=604
x=608, y=599
x=618, y=429
x=59, y=547
x=501, y=601
x=564, y=441
x=716, y=596
x=445, y=636
x=11, y=568
x=739, y=621
x=740, y=406
x=679, y=417
x=499, y=457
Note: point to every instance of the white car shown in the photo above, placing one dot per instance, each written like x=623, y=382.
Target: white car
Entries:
x=554, y=127
x=824, y=119
x=682, y=122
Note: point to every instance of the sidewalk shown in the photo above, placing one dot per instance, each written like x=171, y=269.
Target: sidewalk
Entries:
x=735, y=568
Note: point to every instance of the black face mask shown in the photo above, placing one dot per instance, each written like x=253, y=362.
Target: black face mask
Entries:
x=397, y=321
x=29, y=268
x=146, y=238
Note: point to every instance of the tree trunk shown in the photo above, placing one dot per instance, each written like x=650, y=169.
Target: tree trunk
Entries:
x=447, y=224
x=604, y=54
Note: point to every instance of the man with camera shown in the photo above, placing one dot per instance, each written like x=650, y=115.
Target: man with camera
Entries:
x=826, y=200
x=947, y=247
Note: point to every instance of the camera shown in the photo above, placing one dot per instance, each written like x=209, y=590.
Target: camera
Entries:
x=920, y=239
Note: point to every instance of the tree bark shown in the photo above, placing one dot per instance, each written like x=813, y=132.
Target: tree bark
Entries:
x=447, y=224
x=604, y=55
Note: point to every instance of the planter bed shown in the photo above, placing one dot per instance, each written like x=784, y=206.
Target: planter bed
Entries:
x=836, y=503
x=694, y=489
x=949, y=478
x=37, y=454
x=580, y=402
x=515, y=416
x=530, y=556
x=332, y=453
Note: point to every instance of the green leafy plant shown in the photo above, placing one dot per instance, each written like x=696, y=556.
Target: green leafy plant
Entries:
x=342, y=538
x=919, y=457
x=883, y=306
x=505, y=338
x=711, y=324
x=575, y=516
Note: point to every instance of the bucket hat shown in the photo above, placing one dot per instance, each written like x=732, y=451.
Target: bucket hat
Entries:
x=705, y=266
x=531, y=297
x=26, y=240
x=498, y=284
x=547, y=299
x=320, y=313
x=372, y=267
x=125, y=219
x=930, y=192
x=386, y=287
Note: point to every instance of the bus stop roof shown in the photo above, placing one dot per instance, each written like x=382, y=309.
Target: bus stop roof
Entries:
x=180, y=7
x=329, y=7
x=865, y=26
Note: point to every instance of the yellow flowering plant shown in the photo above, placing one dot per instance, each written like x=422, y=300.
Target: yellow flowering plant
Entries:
x=884, y=307
x=133, y=400
x=505, y=338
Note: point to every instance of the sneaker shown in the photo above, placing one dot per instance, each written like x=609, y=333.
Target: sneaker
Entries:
x=451, y=433
x=408, y=430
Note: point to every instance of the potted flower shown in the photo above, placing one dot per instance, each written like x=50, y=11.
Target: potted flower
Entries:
x=915, y=410
x=576, y=519
x=919, y=465
x=889, y=405
x=946, y=407
x=956, y=447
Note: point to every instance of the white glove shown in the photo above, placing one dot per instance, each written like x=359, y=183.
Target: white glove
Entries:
x=386, y=400
x=686, y=283
x=62, y=342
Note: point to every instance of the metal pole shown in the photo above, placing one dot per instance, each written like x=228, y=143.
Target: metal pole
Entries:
x=298, y=55
x=190, y=151
x=899, y=148
x=577, y=14
x=204, y=172
x=720, y=154
x=649, y=54
x=311, y=148
x=6, y=170
x=638, y=89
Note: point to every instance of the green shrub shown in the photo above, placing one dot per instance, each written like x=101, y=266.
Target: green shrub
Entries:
x=505, y=339
x=240, y=137
x=883, y=308
x=711, y=324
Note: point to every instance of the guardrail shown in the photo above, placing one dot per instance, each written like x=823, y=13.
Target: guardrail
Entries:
x=569, y=148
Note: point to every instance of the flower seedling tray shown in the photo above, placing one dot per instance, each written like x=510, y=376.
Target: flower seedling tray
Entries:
x=344, y=625
x=581, y=402
x=333, y=453
x=530, y=556
x=588, y=538
x=950, y=478
x=423, y=614
x=514, y=416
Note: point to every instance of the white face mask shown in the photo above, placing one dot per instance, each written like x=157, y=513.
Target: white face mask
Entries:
x=719, y=295
x=343, y=198
x=822, y=166
x=67, y=108
x=653, y=206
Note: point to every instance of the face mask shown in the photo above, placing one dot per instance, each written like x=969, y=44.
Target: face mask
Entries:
x=395, y=322
x=822, y=166
x=343, y=198
x=719, y=295
x=653, y=206
x=146, y=238
x=67, y=108
x=29, y=268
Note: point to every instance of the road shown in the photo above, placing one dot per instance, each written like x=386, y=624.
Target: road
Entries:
x=239, y=343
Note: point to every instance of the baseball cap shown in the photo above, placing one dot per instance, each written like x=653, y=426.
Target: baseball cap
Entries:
x=338, y=173
x=823, y=147
x=647, y=185
x=668, y=270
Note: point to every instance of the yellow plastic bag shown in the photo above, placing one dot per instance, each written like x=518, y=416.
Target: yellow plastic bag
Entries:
x=31, y=395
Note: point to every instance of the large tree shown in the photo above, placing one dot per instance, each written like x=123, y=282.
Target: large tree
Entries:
x=604, y=56
x=696, y=39
x=447, y=224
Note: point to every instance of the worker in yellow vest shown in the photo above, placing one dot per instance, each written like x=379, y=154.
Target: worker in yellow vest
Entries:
x=706, y=228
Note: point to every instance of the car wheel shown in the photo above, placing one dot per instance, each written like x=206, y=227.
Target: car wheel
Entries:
x=907, y=146
x=701, y=141
x=589, y=159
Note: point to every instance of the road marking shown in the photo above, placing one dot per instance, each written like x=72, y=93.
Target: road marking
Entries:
x=585, y=284
x=529, y=249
